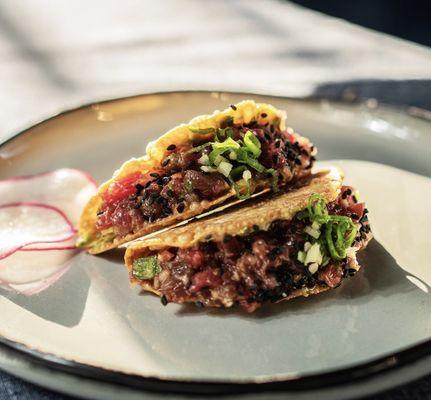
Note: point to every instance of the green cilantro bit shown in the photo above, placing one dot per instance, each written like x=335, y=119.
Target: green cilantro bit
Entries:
x=146, y=267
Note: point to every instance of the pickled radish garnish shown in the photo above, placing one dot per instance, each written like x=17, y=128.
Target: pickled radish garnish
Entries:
x=23, y=224
x=66, y=189
x=38, y=219
x=23, y=267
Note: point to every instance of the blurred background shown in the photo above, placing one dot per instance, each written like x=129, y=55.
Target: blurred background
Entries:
x=60, y=54
x=409, y=20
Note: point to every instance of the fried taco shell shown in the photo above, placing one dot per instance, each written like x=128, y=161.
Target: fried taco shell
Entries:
x=214, y=159
x=296, y=243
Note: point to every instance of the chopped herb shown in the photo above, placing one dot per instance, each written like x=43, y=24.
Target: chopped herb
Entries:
x=202, y=131
x=146, y=267
x=252, y=143
x=339, y=231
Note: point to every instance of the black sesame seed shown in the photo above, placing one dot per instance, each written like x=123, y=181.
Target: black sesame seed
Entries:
x=171, y=147
x=277, y=143
x=199, y=304
x=264, y=115
x=165, y=162
x=364, y=219
x=233, y=107
x=267, y=136
x=227, y=238
x=344, y=195
x=167, y=211
x=165, y=179
x=181, y=207
x=161, y=200
x=100, y=212
x=349, y=192
x=355, y=216
x=355, y=200
x=154, y=174
x=164, y=300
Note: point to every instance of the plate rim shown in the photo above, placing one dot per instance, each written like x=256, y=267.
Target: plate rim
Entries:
x=302, y=382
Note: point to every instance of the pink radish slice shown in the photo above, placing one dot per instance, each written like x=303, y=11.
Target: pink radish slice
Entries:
x=66, y=189
x=30, y=289
x=68, y=244
x=23, y=224
x=25, y=267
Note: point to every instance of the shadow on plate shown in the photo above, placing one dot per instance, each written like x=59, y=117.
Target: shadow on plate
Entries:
x=62, y=303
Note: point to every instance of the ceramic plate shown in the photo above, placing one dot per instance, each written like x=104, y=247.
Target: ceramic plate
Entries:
x=93, y=324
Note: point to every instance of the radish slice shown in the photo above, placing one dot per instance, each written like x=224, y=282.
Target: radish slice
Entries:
x=68, y=244
x=22, y=224
x=67, y=189
x=26, y=267
x=37, y=218
x=29, y=289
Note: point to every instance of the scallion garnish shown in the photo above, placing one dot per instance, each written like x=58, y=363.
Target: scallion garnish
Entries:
x=225, y=150
x=202, y=131
x=339, y=232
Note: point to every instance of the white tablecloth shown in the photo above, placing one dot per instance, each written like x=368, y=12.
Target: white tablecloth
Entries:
x=57, y=54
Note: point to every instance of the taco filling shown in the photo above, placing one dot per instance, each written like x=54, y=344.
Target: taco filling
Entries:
x=316, y=248
x=242, y=158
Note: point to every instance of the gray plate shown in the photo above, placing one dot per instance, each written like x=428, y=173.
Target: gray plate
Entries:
x=92, y=323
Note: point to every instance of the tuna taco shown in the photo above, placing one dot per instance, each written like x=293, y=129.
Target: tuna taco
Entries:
x=214, y=159
x=297, y=243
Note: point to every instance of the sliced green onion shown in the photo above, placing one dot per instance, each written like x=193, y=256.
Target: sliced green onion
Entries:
x=198, y=148
x=202, y=131
x=246, y=175
x=301, y=257
x=237, y=172
x=252, y=143
x=224, y=168
x=314, y=233
x=227, y=144
x=339, y=232
x=206, y=168
x=274, y=180
x=224, y=133
x=146, y=267
x=238, y=188
x=204, y=159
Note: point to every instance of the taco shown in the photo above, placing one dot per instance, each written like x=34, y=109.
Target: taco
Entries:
x=214, y=159
x=295, y=243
